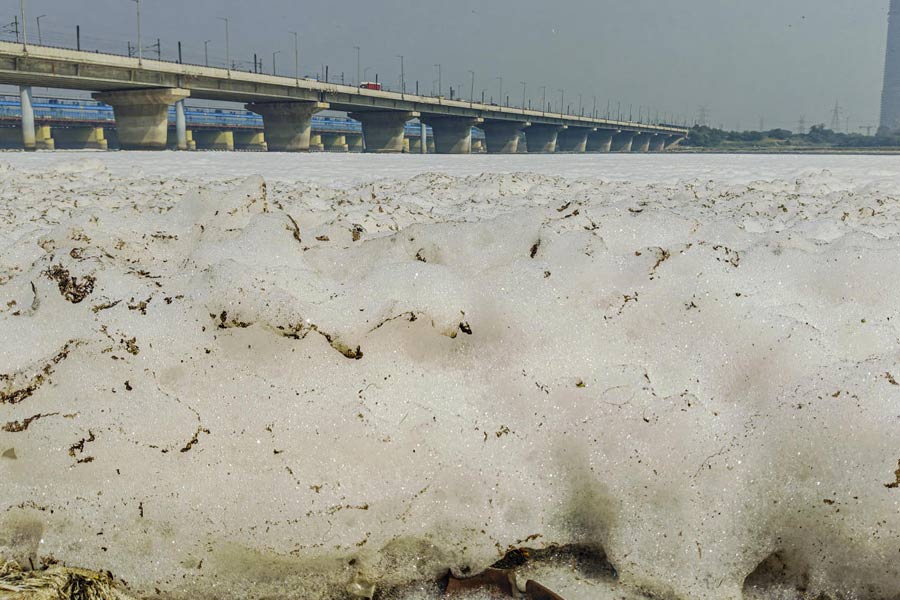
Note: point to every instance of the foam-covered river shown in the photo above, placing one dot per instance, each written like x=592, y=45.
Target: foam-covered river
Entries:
x=248, y=375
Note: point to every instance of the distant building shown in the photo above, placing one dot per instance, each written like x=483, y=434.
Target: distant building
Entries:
x=890, y=98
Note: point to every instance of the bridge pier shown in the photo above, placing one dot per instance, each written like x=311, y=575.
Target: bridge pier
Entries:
x=29, y=143
x=423, y=138
x=180, y=126
x=315, y=143
x=657, y=143
x=250, y=140
x=600, y=141
x=452, y=135
x=502, y=137
x=212, y=139
x=142, y=116
x=415, y=145
x=355, y=142
x=673, y=140
x=384, y=131
x=287, y=125
x=478, y=146
x=641, y=142
x=542, y=138
x=573, y=140
x=335, y=142
x=43, y=138
x=623, y=141
x=92, y=138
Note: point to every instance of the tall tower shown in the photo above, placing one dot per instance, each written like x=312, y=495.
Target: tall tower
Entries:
x=890, y=98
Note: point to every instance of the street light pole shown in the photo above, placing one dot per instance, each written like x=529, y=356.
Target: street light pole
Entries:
x=140, y=37
x=296, y=56
x=562, y=100
x=440, y=82
x=524, y=89
x=402, y=75
x=40, y=39
x=24, y=28
x=358, y=66
x=227, y=44
x=543, y=98
x=274, y=68
x=206, y=51
x=500, y=97
x=472, y=88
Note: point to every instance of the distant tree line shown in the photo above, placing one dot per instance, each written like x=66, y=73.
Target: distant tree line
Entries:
x=702, y=136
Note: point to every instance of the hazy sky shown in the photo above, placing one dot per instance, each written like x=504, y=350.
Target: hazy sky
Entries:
x=744, y=59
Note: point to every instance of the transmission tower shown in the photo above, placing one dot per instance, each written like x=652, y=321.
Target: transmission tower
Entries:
x=703, y=116
x=801, y=125
x=836, y=117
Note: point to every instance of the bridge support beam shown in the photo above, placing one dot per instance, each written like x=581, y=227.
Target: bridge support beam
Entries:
x=211, y=139
x=641, y=142
x=622, y=141
x=658, y=143
x=335, y=142
x=600, y=141
x=254, y=141
x=542, y=138
x=423, y=138
x=452, y=135
x=92, y=138
x=573, y=140
x=142, y=116
x=28, y=140
x=287, y=125
x=384, y=131
x=502, y=137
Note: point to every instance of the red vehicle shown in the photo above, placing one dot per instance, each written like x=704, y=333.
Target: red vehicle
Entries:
x=370, y=85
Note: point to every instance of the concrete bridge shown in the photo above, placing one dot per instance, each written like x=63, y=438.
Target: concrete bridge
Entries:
x=141, y=91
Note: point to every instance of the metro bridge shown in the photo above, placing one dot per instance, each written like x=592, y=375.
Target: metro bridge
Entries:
x=141, y=93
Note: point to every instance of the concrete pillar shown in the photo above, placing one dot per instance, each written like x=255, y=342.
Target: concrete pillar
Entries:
x=213, y=139
x=80, y=138
x=641, y=142
x=43, y=138
x=431, y=148
x=406, y=145
x=452, y=135
x=622, y=141
x=415, y=145
x=335, y=142
x=180, y=126
x=600, y=141
x=355, y=142
x=142, y=116
x=315, y=143
x=192, y=143
x=384, y=131
x=573, y=139
x=673, y=140
x=28, y=140
x=478, y=146
x=542, y=138
x=502, y=137
x=423, y=138
x=657, y=143
x=250, y=140
x=288, y=125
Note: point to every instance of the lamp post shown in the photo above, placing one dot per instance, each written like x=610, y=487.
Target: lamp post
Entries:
x=140, y=37
x=358, y=65
x=40, y=39
x=24, y=28
x=562, y=100
x=274, y=68
x=206, y=51
x=440, y=82
x=227, y=44
x=500, y=96
x=402, y=75
x=524, y=90
x=580, y=106
x=472, y=88
x=544, y=99
x=296, y=56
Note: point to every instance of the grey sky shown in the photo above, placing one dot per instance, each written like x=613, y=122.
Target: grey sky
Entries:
x=744, y=59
